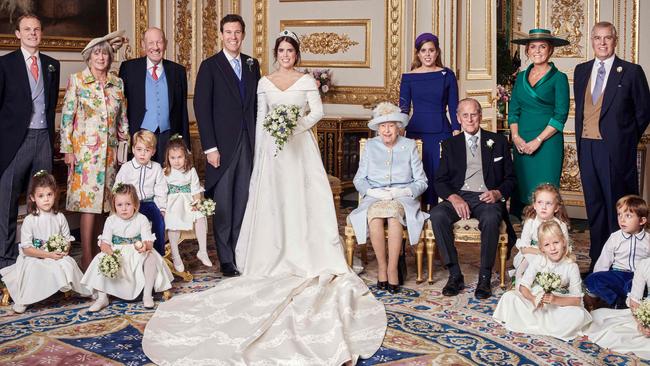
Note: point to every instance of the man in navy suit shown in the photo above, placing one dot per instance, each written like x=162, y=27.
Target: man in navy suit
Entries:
x=29, y=89
x=156, y=91
x=612, y=112
x=225, y=107
x=475, y=178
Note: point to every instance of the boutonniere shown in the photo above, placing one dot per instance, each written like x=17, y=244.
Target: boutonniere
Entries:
x=489, y=143
x=619, y=69
x=250, y=64
x=51, y=68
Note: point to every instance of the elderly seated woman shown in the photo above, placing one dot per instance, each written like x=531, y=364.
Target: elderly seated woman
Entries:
x=390, y=179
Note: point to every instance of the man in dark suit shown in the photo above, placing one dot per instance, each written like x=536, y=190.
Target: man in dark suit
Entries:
x=475, y=178
x=225, y=108
x=612, y=112
x=29, y=89
x=156, y=92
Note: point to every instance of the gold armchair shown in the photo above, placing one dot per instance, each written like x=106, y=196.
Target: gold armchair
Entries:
x=350, y=238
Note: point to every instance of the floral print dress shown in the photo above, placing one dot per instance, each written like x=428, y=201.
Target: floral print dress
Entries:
x=93, y=122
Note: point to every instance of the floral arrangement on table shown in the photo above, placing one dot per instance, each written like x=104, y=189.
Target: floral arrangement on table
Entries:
x=323, y=79
x=110, y=265
x=642, y=313
x=206, y=206
x=57, y=244
x=280, y=123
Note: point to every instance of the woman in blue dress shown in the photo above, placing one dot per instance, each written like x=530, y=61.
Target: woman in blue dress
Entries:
x=432, y=89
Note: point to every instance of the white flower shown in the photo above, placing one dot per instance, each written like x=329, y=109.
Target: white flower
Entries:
x=619, y=69
x=325, y=88
x=385, y=108
x=489, y=143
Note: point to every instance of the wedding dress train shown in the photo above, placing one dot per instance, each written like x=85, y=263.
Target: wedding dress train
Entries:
x=297, y=302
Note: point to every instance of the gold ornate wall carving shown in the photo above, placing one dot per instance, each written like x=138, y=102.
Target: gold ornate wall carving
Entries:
x=183, y=33
x=141, y=23
x=212, y=14
x=367, y=96
x=322, y=43
x=570, y=179
x=567, y=21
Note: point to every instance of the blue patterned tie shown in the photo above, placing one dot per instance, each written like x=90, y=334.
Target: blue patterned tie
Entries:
x=600, y=80
x=237, y=66
x=473, y=145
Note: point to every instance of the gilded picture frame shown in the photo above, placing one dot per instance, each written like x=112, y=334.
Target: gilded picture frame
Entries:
x=62, y=22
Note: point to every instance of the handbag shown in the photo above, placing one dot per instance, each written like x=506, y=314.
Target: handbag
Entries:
x=401, y=265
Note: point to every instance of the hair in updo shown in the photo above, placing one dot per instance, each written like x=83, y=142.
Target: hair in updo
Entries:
x=291, y=41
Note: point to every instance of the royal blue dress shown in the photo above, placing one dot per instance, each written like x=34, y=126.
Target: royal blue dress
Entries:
x=432, y=94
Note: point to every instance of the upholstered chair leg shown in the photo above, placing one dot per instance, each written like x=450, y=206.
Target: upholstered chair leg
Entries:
x=6, y=298
x=419, y=253
x=349, y=248
x=503, y=246
x=431, y=247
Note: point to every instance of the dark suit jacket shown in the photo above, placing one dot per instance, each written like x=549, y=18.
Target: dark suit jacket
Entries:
x=625, y=111
x=499, y=175
x=220, y=111
x=16, y=102
x=134, y=74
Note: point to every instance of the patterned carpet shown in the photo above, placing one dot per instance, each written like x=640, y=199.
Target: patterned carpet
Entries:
x=425, y=328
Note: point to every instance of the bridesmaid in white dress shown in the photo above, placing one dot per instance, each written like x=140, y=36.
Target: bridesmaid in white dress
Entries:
x=38, y=273
x=142, y=269
x=559, y=314
x=297, y=301
x=619, y=330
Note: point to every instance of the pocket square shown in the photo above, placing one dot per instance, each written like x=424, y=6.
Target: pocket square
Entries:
x=498, y=159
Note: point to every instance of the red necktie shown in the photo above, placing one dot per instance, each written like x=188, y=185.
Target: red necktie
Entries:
x=155, y=76
x=34, y=68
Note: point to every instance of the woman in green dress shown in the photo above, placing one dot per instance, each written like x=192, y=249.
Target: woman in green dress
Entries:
x=538, y=110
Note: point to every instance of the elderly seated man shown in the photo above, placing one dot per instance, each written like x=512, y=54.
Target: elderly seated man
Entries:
x=390, y=179
x=475, y=178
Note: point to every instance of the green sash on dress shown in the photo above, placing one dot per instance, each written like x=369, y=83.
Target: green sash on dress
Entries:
x=120, y=240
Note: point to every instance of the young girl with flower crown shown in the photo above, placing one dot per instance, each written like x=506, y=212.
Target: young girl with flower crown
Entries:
x=40, y=270
x=547, y=307
x=546, y=205
x=184, y=192
x=142, y=270
x=620, y=330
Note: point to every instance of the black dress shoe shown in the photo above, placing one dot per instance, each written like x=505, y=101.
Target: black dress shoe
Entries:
x=382, y=285
x=233, y=273
x=229, y=270
x=483, y=288
x=454, y=285
x=393, y=289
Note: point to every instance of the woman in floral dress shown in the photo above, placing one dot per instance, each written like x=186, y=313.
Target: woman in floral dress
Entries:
x=93, y=122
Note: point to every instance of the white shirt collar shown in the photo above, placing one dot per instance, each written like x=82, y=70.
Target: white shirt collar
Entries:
x=467, y=136
x=640, y=235
x=27, y=55
x=230, y=58
x=137, y=165
x=608, y=62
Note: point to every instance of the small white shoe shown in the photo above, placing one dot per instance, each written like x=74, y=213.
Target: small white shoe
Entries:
x=99, y=304
x=148, y=302
x=204, y=258
x=178, y=263
x=18, y=308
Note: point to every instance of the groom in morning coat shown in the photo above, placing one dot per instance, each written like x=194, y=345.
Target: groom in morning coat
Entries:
x=225, y=106
x=612, y=112
x=475, y=178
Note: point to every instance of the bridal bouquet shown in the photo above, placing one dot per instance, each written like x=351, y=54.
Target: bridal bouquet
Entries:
x=548, y=281
x=642, y=313
x=206, y=207
x=110, y=265
x=280, y=123
x=57, y=244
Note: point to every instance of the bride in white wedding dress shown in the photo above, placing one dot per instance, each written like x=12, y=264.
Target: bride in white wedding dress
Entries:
x=297, y=302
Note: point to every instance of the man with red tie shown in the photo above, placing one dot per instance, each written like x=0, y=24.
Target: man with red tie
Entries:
x=29, y=89
x=156, y=92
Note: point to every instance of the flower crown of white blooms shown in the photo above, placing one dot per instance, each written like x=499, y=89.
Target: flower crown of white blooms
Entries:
x=385, y=108
x=288, y=33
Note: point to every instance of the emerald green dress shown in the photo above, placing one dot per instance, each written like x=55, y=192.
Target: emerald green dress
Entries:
x=533, y=108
